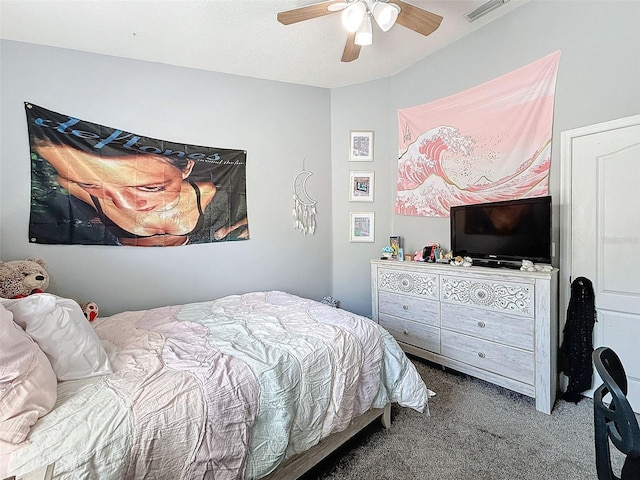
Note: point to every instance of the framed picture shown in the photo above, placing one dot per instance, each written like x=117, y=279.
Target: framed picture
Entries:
x=360, y=186
x=362, y=227
x=361, y=146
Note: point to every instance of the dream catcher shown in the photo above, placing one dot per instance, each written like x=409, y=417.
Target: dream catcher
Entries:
x=304, y=210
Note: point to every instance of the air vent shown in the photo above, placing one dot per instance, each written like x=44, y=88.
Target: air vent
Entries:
x=484, y=9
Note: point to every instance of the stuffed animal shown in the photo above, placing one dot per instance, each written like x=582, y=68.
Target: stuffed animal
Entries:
x=21, y=278
x=90, y=310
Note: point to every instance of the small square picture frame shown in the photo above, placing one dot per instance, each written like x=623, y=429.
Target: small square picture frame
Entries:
x=361, y=227
x=361, y=185
x=361, y=145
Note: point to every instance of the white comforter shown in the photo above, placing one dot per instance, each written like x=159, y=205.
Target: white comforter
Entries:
x=231, y=386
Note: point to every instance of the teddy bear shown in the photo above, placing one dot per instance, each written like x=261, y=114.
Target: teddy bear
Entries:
x=21, y=278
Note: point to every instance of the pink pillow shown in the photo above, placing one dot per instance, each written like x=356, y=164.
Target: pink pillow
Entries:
x=28, y=385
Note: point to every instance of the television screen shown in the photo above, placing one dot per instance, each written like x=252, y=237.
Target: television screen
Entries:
x=510, y=231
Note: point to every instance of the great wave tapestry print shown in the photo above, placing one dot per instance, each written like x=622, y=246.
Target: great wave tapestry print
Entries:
x=486, y=144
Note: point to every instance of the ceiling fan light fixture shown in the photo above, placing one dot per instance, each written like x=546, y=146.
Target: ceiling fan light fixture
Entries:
x=385, y=15
x=364, y=34
x=353, y=16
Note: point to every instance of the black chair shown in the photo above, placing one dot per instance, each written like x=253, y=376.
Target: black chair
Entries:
x=616, y=421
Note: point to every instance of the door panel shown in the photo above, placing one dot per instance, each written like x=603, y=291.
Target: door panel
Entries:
x=619, y=202
x=625, y=346
x=604, y=208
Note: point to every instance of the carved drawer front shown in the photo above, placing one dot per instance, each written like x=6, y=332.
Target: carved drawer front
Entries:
x=500, y=359
x=413, y=333
x=489, y=325
x=410, y=308
x=419, y=284
x=508, y=297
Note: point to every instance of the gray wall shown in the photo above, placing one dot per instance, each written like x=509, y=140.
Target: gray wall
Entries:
x=279, y=125
x=598, y=80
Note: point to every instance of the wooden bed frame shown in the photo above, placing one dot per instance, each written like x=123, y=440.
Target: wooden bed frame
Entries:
x=301, y=463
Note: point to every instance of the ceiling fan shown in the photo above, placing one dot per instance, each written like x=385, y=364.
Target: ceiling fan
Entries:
x=356, y=17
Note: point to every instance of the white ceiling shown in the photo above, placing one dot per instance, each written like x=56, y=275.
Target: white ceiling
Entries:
x=240, y=37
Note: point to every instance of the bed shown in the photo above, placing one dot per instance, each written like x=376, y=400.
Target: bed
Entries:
x=259, y=385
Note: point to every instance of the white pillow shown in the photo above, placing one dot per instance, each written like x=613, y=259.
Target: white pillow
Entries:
x=28, y=386
x=60, y=328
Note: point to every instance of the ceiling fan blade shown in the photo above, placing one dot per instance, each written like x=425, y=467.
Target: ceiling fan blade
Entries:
x=351, y=50
x=417, y=19
x=307, y=13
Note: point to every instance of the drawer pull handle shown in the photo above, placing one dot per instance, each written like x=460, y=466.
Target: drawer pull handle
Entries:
x=406, y=332
x=481, y=354
x=405, y=307
x=481, y=324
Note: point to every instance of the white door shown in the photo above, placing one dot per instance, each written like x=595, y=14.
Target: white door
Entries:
x=601, y=234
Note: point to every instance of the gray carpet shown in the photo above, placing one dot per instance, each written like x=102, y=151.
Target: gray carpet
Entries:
x=475, y=431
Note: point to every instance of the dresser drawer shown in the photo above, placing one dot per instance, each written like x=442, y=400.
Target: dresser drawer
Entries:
x=498, y=327
x=410, y=332
x=409, y=282
x=410, y=308
x=506, y=297
x=500, y=359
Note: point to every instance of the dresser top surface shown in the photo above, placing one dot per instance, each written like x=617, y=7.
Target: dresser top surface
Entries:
x=447, y=269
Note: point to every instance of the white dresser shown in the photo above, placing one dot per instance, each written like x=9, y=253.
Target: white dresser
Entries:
x=500, y=325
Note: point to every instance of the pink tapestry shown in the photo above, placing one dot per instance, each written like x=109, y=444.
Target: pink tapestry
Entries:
x=486, y=144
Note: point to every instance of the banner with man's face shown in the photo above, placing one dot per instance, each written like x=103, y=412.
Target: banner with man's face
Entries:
x=97, y=185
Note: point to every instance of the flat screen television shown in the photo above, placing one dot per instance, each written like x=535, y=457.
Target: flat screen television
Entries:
x=502, y=234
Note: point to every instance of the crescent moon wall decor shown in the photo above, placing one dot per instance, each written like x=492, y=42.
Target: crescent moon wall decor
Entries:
x=304, y=210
